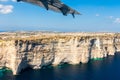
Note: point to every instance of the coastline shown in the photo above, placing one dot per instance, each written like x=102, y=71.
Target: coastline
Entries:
x=21, y=50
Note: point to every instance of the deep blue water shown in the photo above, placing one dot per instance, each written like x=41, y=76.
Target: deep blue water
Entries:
x=106, y=69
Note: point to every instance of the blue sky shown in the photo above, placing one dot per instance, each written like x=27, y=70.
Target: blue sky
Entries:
x=97, y=16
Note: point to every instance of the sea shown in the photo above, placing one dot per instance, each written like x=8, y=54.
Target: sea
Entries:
x=103, y=69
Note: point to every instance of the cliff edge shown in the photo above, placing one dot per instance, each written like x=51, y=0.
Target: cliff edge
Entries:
x=20, y=50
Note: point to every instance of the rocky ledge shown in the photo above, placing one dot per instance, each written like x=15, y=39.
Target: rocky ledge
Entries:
x=21, y=50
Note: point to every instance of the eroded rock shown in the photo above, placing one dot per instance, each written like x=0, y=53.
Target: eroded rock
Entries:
x=20, y=50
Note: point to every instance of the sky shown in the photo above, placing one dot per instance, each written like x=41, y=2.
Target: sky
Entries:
x=97, y=16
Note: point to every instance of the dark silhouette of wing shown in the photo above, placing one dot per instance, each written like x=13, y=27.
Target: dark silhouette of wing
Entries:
x=55, y=5
x=45, y=3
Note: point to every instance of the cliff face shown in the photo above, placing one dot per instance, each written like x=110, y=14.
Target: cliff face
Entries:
x=35, y=50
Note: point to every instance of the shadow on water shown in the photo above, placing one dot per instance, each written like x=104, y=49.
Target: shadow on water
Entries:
x=105, y=69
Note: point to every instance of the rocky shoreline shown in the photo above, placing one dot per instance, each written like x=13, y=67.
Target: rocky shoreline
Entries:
x=21, y=50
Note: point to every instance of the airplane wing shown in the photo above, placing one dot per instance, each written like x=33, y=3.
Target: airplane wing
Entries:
x=55, y=5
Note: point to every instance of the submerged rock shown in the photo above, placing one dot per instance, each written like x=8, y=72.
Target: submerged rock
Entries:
x=21, y=50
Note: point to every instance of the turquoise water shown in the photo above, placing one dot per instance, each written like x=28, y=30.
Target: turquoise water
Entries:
x=1, y=73
x=97, y=59
x=102, y=69
x=5, y=74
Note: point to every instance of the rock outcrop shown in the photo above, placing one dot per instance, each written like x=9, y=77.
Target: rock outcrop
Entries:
x=20, y=50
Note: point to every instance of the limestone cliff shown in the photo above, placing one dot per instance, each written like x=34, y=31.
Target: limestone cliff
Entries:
x=20, y=50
